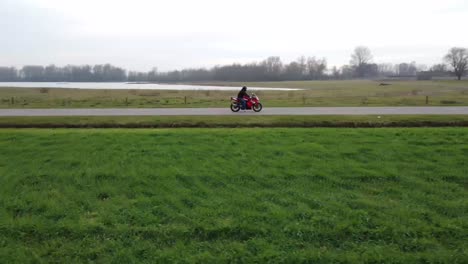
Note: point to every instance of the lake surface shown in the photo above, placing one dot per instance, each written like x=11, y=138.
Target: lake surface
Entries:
x=138, y=86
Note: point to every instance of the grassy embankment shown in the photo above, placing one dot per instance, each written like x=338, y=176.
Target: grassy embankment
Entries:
x=240, y=120
x=216, y=195
x=315, y=93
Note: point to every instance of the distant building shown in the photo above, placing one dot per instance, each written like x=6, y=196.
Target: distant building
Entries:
x=430, y=75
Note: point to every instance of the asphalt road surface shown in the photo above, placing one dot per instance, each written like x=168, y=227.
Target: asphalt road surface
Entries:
x=461, y=110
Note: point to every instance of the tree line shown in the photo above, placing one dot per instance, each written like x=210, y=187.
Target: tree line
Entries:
x=69, y=73
x=361, y=66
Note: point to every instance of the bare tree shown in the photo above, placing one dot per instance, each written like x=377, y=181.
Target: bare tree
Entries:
x=8, y=74
x=316, y=68
x=273, y=66
x=406, y=69
x=386, y=69
x=421, y=67
x=458, y=59
x=439, y=68
x=302, y=61
x=335, y=73
x=361, y=56
x=32, y=73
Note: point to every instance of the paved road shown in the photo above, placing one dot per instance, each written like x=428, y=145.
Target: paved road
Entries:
x=225, y=111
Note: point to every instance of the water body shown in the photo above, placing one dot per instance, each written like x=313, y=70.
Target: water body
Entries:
x=136, y=86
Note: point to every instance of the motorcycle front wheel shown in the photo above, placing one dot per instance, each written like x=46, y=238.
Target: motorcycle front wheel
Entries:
x=258, y=107
x=235, y=107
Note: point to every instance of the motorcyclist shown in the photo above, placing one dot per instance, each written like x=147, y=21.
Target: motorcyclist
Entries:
x=241, y=97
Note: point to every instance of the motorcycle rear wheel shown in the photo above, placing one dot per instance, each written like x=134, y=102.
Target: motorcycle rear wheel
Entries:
x=235, y=107
x=258, y=107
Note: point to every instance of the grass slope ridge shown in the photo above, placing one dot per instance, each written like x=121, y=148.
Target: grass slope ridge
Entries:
x=234, y=195
x=234, y=121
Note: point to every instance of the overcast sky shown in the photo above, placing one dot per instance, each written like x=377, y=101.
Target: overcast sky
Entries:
x=174, y=34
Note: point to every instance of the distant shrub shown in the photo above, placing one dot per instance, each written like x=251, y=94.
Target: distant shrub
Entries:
x=448, y=102
x=415, y=92
x=424, y=76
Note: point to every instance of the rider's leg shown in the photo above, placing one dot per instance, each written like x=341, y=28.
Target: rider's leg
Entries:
x=244, y=104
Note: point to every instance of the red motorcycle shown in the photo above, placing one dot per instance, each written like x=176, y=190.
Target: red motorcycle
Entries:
x=253, y=103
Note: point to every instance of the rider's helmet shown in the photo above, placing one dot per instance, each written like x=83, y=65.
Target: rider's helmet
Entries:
x=244, y=88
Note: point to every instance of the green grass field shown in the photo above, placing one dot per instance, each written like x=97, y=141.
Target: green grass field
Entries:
x=388, y=195
x=314, y=93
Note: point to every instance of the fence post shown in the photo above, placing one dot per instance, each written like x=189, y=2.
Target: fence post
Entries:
x=427, y=99
x=185, y=99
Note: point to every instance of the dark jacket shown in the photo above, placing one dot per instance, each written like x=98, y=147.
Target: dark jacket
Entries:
x=242, y=93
